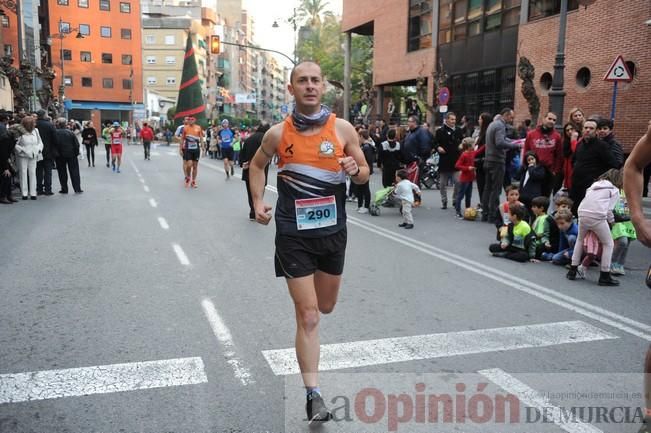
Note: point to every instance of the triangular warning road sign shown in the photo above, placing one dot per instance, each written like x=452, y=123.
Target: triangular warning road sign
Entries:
x=618, y=71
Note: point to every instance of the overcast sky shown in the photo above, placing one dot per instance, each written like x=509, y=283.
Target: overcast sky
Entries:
x=264, y=13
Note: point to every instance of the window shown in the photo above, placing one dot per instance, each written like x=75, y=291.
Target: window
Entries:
x=107, y=58
x=8, y=50
x=104, y=5
x=105, y=32
x=86, y=82
x=150, y=39
x=151, y=60
x=86, y=56
x=125, y=8
x=420, y=25
x=170, y=40
x=445, y=22
x=493, y=15
x=84, y=29
x=64, y=27
x=151, y=80
x=544, y=8
x=583, y=77
x=5, y=21
x=127, y=59
x=62, y=2
x=125, y=33
x=511, y=13
x=82, y=3
x=67, y=55
x=546, y=82
x=107, y=83
x=126, y=84
x=170, y=60
x=171, y=80
x=67, y=80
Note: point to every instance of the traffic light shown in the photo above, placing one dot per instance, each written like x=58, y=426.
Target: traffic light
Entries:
x=215, y=44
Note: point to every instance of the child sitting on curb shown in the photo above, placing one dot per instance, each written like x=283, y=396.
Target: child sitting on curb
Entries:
x=518, y=241
x=568, y=231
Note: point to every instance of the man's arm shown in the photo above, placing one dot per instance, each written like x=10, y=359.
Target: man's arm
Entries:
x=633, y=179
x=354, y=163
x=262, y=157
x=502, y=141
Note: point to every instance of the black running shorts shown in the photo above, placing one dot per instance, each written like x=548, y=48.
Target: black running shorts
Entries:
x=191, y=154
x=299, y=257
x=227, y=153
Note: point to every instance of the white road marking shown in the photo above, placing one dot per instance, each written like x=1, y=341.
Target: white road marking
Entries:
x=401, y=349
x=141, y=180
x=163, y=223
x=224, y=336
x=134, y=167
x=100, y=379
x=146, y=188
x=530, y=397
x=153, y=203
x=183, y=259
x=155, y=154
x=173, y=153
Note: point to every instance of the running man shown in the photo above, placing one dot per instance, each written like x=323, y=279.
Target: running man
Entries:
x=116, y=135
x=226, y=136
x=190, y=149
x=107, y=142
x=316, y=151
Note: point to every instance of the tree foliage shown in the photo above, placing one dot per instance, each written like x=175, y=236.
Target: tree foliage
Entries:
x=322, y=42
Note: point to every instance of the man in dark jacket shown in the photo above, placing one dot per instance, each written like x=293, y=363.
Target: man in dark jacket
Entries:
x=605, y=133
x=448, y=139
x=249, y=149
x=592, y=158
x=417, y=145
x=44, y=168
x=68, y=150
x=6, y=148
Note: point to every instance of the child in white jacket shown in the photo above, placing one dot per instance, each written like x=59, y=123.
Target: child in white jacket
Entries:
x=595, y=212
x=405, y=192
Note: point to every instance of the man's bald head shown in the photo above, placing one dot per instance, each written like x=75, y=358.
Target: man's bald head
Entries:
x=301, y=66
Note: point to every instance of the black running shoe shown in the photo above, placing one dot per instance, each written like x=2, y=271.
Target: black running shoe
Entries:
x=316, y=409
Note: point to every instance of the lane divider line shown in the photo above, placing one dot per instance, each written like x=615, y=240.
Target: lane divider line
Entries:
x=163, y=223
x=225, y=338
x=146, y=188
x=180, y=254
x=153, y=203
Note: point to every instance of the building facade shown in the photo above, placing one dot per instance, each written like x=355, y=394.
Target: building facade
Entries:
x=95, y=51
x=477, y=44
x=587, y=60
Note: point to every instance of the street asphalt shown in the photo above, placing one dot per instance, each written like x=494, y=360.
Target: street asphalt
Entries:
x=140, y=270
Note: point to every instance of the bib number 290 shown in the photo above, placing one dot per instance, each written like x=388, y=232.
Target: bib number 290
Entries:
x=316, y=213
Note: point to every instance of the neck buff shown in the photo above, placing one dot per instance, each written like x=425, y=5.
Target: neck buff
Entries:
x=304, y=122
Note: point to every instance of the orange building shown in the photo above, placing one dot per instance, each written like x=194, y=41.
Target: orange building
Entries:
x=97, y=45
x=9, y=22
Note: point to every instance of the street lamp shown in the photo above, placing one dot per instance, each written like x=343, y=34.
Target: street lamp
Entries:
x=61, y=36
x=557, y=93
x=292, y=21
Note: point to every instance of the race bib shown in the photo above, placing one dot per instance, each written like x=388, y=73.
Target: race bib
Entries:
x=192, y=143
x=316, y=213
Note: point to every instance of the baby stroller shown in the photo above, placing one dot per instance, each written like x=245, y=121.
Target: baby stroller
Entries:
x=384, y=197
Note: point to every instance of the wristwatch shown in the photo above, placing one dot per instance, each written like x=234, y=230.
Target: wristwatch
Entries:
x=354, y=175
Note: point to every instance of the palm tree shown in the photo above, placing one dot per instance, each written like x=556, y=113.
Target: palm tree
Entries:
x=310, y=11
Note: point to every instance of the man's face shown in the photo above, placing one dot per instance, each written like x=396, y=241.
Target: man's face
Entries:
x=549, y=121
x=185, y=120
x=411, y=123
x=604, y=131
x=589, y=129
x=191, y=121
x=451, y=121
x=307, y=85
x=508, y=117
